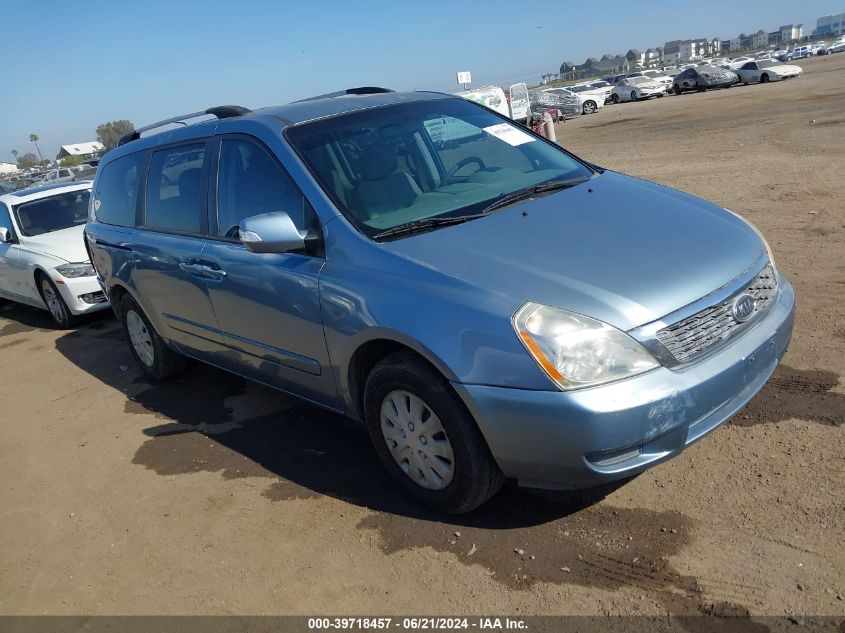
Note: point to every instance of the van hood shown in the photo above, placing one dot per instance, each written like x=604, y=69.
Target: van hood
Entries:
x=66, y=244
x=615, y=248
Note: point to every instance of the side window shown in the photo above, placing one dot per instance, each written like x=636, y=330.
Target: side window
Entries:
x=174, y=193
x=5, y=219
x=249, y=183
x=64, y=173
x=116, y=195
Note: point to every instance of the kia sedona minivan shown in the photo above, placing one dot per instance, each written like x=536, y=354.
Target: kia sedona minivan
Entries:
x=489, y=305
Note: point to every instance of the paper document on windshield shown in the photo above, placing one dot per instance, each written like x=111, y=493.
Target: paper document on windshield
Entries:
x=509, y=134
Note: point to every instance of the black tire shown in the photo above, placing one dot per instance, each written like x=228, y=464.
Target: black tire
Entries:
x=764, y=78
x=677, y=89
x=165, y=362
x=615, y=98
x=476, y=475
x=56, y=306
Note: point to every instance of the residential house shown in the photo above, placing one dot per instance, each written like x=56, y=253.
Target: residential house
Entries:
x=759, y=40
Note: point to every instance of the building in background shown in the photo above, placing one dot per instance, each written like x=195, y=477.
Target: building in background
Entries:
x=830, y=25
x=8, y=168
x=791, y=33
x=84, y=151
x=678, y=51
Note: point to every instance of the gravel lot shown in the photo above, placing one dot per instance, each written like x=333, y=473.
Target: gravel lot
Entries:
x=211, y=495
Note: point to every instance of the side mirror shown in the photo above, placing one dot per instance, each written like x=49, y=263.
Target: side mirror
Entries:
x=5, y=235
x=271, y=233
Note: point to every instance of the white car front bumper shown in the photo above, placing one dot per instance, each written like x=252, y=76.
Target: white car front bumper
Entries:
x=81, y=294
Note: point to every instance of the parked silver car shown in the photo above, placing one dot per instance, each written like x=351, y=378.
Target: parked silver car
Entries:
x=488, y=304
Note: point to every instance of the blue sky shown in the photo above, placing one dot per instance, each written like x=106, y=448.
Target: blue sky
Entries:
x=71, y=65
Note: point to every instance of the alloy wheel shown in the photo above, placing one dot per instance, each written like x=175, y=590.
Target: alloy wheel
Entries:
x=54, y=304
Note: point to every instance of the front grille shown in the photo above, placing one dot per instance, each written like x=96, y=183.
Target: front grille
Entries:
x=688, y=339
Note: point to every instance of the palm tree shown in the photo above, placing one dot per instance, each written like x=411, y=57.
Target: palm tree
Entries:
x=15, y=154
x=34, y=139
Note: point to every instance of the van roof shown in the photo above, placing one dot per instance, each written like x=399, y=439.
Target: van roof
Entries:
x=291, y=114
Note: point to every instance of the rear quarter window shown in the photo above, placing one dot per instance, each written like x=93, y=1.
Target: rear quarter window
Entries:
x=116, y=195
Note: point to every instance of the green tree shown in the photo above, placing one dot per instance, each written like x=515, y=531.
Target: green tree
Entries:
x=27, y=160
x=70, y=161
x=34, y=139
x=109, y=133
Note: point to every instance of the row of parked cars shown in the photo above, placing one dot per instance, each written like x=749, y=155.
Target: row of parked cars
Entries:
x=25, y=180
x=489, y=305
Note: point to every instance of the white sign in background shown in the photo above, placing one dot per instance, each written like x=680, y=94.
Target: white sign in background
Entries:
x=464, y=77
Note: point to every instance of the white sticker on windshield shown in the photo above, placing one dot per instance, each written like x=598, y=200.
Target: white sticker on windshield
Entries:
x=509, y=134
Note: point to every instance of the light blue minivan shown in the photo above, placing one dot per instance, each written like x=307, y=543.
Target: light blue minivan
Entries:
x=488, y=304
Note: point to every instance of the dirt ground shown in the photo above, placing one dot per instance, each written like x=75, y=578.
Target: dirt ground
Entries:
x=210, y=495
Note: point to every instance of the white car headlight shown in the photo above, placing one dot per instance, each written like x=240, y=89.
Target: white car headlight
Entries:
x=71, y=271
x=576, y=351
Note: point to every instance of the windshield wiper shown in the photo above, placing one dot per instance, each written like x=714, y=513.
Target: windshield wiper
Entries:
x=528, y=192
x=426, y=223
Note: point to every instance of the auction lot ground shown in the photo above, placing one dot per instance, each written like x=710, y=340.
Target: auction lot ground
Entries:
x=211, y=495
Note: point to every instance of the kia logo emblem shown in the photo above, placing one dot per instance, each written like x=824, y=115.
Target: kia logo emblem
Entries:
x=743, y=308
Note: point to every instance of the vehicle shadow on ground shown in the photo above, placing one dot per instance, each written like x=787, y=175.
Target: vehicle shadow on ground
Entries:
x=22, y=319
x=207, y=420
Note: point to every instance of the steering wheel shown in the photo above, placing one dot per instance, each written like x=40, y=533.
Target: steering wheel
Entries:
x=463, y=163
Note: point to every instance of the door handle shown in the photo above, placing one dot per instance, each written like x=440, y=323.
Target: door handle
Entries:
x=215, y=273
x=191, y=269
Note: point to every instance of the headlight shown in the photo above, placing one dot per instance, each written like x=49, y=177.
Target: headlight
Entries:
x=82, y=269
x=576, y=351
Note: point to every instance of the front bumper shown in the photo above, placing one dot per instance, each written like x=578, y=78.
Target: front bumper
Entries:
x=560, y=440
x=81, y=294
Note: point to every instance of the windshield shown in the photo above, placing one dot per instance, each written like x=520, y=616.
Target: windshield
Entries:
x=766, y=63
x=388, y=166
x=639, y=80
x=52, y=214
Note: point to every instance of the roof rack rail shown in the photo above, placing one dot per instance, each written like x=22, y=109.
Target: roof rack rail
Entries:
x=221, y=112
x=362, y=90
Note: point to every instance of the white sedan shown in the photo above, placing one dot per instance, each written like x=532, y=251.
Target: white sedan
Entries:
x=636, y=88
x=766, y=70
x=43, y=260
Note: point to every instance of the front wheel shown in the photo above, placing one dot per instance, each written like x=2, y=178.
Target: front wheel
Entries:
x=56, y=305
x=615, y=98
x=677, y=89
x=764, y=78
x=633, y=95
x=155, y=359
x=426, y=438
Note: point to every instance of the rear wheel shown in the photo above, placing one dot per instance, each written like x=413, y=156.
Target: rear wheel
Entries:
x=56, y=305
x=148, y=348
x=426, y=438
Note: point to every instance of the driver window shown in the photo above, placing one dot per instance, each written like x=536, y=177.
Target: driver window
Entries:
x=251, y=183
